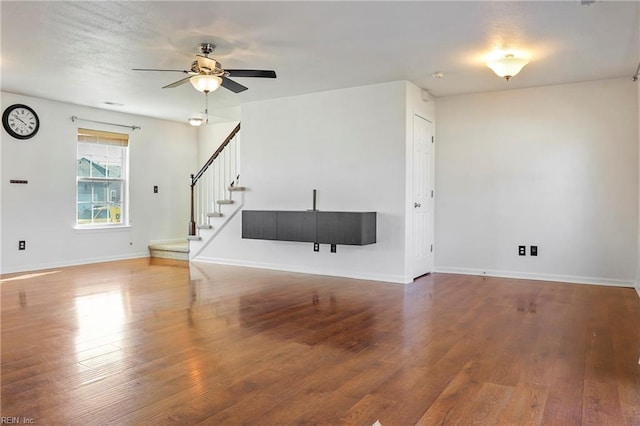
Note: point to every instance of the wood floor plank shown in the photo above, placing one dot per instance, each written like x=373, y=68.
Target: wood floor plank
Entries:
x=487, y=407
x=364, y=412
x=526, y=406
x=601, y=403
x=446, y=408
x=147, y=342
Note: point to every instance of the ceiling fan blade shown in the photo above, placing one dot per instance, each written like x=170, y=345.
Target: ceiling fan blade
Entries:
x=252, y=73
x=151, y=69
x=177, y=83
x=235, y=87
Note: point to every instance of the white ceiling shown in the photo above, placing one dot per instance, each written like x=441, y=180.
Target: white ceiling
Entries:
x=83, y=52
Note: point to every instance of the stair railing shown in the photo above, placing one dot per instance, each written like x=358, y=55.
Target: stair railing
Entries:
x=215, y=178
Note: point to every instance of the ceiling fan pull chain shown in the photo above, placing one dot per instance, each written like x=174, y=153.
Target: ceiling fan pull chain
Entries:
x=206, y=105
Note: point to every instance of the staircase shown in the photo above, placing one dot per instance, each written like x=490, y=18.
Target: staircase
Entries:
x=216, y=196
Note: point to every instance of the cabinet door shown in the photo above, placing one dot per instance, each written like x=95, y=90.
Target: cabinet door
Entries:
x=297, y=226
x=346, y=228
x=260, y=225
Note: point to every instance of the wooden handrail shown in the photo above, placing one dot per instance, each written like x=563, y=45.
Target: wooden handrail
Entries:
x=194, y=178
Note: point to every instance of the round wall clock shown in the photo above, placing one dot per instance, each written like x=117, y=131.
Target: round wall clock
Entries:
x=20, y=121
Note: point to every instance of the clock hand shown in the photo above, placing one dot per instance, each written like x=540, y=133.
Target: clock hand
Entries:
x=20, y=120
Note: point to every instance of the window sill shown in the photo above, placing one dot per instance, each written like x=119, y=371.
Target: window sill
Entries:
x=101, y=228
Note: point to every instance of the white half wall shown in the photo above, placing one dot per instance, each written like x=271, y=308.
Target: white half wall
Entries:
x=211, y=135
x=553, y=166
x=347, y=144
x=210, y=138
x=42, y=212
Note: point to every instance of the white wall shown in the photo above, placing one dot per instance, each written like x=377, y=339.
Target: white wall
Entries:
x=348, y=144
x=555, y=167
x=42, y=212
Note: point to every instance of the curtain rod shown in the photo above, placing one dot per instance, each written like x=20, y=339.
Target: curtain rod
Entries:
x=132, y=127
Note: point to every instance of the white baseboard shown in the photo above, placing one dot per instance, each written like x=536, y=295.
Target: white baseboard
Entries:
x=638, y=289
x=394, y=279
x=62, y=264
x=538, y=277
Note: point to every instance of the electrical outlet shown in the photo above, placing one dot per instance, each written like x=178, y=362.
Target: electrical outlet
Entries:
x=22, y=245
x=316, y=246
x=534, y=250
x=333, y=248
x=522, y=250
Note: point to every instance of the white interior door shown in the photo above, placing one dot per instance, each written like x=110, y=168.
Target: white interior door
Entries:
x=422, y=203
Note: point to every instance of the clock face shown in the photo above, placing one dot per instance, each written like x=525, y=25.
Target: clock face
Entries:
x=20, y=121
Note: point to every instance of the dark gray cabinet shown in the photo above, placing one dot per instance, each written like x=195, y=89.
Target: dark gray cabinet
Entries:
x=348, y=228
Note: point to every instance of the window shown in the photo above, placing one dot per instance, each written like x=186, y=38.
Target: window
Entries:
x=101, y=178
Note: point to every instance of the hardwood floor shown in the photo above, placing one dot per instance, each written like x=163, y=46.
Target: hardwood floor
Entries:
x=160, y=342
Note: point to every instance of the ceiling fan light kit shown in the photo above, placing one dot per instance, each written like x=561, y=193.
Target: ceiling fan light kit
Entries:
x=507, y=65
x=205, y=83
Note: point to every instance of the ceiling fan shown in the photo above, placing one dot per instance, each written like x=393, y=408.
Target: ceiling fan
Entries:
x=206, y=74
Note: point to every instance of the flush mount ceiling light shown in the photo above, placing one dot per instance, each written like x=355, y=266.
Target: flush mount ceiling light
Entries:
x=196, y=121
x=205, y=83
x=507, y=65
